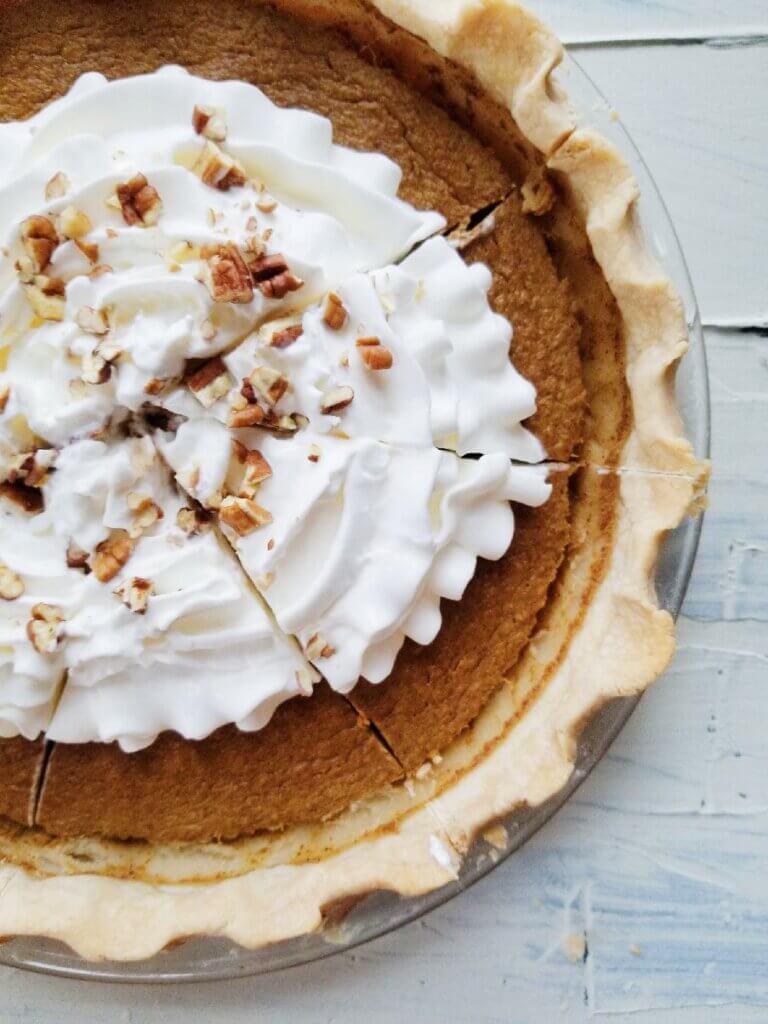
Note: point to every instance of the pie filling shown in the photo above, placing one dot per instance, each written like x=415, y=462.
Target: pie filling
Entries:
x=258, y=416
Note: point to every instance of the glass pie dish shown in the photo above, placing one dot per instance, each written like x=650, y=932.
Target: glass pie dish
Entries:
x=202, y=959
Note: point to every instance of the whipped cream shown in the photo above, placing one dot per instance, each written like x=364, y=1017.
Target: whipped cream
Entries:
x=285, y=372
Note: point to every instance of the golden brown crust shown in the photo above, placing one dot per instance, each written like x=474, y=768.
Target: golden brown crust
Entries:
x=314, y=759
x=435, y=692
x=21, y=765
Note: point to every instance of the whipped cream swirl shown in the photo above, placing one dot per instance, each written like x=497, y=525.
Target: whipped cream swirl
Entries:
x=224, y=338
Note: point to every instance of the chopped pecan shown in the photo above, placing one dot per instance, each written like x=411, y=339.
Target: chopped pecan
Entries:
x=216, y=168
x=44, y=628
x=11, y=584
x=5, y=394
x=30, y=468
x=89, y=249
x=256, y=471
x=46, y=297
x=77, y=558
x=74, y=223
x=273, y=278
x=336, y=399
x=373, y=354
x=94, y=368
x=40, y=239
x=314, y=453
x=57, y=186
x=243, y=515
x=226, y=274
x=145, y=512
x=317, y=647
x=139, y=201
x=135, y=593
x=246, y=415
x=334, y=312
x=209, y=382
x=210, y=122
x=111, y=555
x=285, y=336
x=29, y=499
x=269, y=383
x=194, y=520
x=92, y=321
x=156, y=385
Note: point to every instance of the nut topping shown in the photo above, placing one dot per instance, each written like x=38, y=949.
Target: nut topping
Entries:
x=77, y=558
x=373, y=354
x=286, y=336
x=317, y=647
x=94, y=368
x=139, y=202
x=11, y=584
x=314, y=453
x=30, y=468
x=135, y=593
x=226, y=274
x=89, y=249
x=270, y=384
x=92, y=321
x=45, y=627
x=334, y=312
x=5, y=394
x=336, y=400
x=111, y=555
x=39, y=237
x=193, y=521
x=257, y=469
x=58, y=186
x=216, y=168
x=74, y=223
x=243, y=515
x=273, y=278
x=210, y=122
x=146, y=513
x=247, y=415
x=46, y=297
x=209, y=382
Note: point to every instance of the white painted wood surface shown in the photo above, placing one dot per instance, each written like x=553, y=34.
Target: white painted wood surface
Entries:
x=660, y=860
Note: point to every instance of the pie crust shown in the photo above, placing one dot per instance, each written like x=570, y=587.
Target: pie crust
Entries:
x=598, y=634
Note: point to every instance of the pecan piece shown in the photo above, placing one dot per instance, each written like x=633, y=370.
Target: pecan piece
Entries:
x=135, y=593
x=317, y=647
x=74, y=223
x=225, y=273
x=44, y=628
x=286, y=336
x=243, y=515
x=373, y=354
x=334, y=312
x=92, y=321
x=11, y=584
x=139, y=201
x=46, y=297
x=273, y=278
x=111, y=555
x=209, y=382
x=193, y=521
x=77, y=558
x=40, y=239
x=336, y=400
x=210, y=122
x=256, y=471
x=216, y=168
x=269, y=383
x=145, y=512
x=57, y=186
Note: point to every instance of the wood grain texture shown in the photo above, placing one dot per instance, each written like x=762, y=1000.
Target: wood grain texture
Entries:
x=658, y=864
x=600, y=21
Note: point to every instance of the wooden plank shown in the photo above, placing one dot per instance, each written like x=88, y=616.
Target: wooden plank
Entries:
x=699, y=115
x=609, y=20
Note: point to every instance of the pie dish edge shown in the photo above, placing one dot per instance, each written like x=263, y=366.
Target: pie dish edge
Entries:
x=661, y=480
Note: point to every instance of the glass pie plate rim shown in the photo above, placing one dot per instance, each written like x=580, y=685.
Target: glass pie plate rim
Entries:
x=202, y=959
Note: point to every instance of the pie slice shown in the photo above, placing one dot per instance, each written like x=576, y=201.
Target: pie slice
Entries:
x=337, y=582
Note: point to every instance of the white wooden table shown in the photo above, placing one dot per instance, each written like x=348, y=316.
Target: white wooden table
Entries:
x=660, y=862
